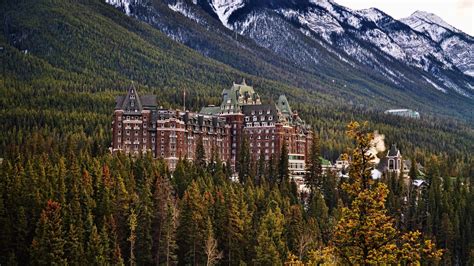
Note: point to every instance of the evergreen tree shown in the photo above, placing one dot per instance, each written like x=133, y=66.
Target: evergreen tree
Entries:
x=48, y=244
x=270, y=248
x=132, y=223
x=314, y=171
x=200, y=157
x=318, y=210
x=74, y=249
x=95, y=250
x=283, y=171
x=365, y=233
x=192, y=227
x=244, y=160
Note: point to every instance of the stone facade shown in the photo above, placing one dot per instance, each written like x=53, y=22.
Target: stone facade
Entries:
x=139, y=127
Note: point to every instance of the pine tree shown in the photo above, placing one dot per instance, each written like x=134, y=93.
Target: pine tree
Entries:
x=365, y=233
x=200, y=158
x=413, y=170
x=144, y=224
x=318, y=210
x=95, y=250
x=244, y=160
x=234, y=228
x=283, y=171
x=270, y=248
x=314, y=171
x=164, y=223
x=192, y=226
x=132, y=223
x=74, y=248
x=294, y=228
x=48, y=244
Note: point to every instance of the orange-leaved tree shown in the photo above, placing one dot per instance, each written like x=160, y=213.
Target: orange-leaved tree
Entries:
x=366, y=234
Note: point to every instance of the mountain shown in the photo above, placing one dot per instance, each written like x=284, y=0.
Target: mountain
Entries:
x=63, y=63
x=457, y=46
x=320, y=46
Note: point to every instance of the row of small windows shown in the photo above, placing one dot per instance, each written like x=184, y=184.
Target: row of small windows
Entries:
x=128, y=117
x=258, y=124
x=260, y=112
x=266, y=144
x=255, y=118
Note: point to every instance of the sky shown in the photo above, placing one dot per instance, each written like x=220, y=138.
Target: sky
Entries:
x=458, y=13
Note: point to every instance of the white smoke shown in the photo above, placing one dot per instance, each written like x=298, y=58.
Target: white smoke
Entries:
x=377, y=145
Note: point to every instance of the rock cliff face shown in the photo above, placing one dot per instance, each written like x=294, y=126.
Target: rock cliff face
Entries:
x=418, y=53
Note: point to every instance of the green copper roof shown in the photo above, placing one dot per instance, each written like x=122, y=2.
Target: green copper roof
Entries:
x=283, y=105
x=238, y=95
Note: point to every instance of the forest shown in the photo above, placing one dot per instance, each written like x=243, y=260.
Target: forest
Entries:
x=64, y=199
x=66, y=203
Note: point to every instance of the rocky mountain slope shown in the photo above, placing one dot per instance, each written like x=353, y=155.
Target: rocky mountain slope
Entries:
x=320, y=36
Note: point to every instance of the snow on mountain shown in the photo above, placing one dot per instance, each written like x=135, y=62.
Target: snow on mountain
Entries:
x=429, y=23
x=302, y=31
x=372, y=14
x=457, y=46
x=317, y=21
x=123, y=4
x=224, y=8
x=435, y=85
x=184, y=9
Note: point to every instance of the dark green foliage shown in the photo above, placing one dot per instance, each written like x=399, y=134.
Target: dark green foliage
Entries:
x=314, y=174
x=56, y=104
x=244, y=162
x=48, y=245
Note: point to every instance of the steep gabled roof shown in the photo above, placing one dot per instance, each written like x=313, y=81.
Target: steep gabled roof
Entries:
x=132, y=103
x=393, y=152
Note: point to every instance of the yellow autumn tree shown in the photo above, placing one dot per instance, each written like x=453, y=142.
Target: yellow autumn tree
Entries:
x=366, y=234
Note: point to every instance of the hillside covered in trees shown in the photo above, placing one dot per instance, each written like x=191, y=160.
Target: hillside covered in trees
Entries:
x=70, y=206
x=65, y=199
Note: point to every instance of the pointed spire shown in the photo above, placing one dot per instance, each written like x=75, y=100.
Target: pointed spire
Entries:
x=243, y=82
x=132, y=101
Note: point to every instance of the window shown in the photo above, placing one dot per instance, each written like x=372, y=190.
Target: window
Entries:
x=268, y=112
x=247, y=119
x=270, y=118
